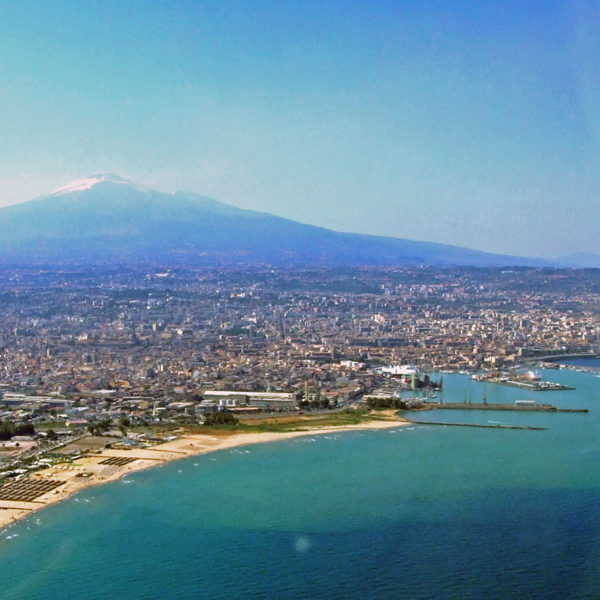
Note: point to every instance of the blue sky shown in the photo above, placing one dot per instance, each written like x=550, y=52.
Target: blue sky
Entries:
x=470, y=123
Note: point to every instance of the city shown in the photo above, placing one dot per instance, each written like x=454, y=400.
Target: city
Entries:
x=148, y=345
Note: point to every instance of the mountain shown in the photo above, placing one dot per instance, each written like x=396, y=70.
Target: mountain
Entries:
x=104, y=218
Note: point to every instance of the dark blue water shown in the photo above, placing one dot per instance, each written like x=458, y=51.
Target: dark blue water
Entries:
x=414, y=512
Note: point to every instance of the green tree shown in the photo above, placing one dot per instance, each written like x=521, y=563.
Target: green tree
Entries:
x=104, y=424
x=124, y=423
x=220, y=418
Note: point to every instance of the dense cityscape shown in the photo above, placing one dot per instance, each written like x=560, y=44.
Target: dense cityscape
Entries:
x=90, y=344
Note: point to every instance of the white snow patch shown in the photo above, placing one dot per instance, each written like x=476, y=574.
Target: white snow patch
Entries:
x=86, y=183
x=77, y=186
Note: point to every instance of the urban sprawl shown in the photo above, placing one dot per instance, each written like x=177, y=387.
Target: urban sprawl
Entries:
x=82, y=350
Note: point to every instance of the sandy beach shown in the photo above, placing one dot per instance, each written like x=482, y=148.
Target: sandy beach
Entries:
x=95, y=469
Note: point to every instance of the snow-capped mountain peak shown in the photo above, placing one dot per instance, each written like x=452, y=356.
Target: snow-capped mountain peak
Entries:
x=86, y=183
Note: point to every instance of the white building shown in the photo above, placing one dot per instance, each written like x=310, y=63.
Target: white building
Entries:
x=267, y=400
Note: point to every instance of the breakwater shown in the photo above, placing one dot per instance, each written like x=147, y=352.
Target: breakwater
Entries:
x=494, y=426
x=525, y=384
x=513, y=407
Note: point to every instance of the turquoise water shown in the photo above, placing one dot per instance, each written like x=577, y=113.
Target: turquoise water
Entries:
x=413, y=512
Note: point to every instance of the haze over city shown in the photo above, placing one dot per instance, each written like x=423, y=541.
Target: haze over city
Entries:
x=468, y=124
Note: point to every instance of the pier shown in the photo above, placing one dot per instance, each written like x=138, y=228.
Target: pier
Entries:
x=513, y=407
x=494, y=426
x=523, y=383
x=484, y=406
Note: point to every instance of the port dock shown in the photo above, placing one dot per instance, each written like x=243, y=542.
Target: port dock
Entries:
x=535, y=386
x=526, y=406
x=513, y=407
x=522, y=382
x=495, y=426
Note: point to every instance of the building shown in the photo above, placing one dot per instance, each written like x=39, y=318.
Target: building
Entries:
x=265, y=400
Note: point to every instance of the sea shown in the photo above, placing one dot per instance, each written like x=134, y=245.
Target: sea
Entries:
x=417, y=512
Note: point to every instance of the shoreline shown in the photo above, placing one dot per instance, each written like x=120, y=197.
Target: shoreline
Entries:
x=89, y=471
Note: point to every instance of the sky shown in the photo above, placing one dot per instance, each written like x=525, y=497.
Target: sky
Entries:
x=469, y=123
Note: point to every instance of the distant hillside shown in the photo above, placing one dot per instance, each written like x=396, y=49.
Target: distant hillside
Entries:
x=105, y=218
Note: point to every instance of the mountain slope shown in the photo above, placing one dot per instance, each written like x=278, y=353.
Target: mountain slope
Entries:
x=105, y=218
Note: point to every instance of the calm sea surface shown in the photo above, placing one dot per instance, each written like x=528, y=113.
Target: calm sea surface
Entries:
x=415, y=512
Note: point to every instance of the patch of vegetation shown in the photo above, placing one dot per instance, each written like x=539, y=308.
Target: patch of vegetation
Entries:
x=220, y=418
x=381, y=402
x=237, y=331
x=100, y=426
x=304, y=423
x=8, y=429
x=282, y=424
x=50, y=425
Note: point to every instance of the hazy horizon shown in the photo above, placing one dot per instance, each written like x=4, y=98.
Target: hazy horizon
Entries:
x=475, y=126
